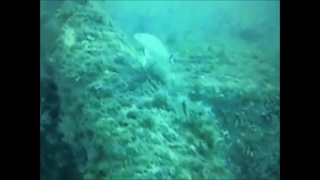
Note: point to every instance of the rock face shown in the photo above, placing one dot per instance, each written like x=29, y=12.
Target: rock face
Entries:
x=104, y=116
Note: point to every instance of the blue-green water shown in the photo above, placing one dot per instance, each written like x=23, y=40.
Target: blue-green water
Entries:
x=198, y=97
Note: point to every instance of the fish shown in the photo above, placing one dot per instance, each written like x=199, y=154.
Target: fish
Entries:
x=154, y=49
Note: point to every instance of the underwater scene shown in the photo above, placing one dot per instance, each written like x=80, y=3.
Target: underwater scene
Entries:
x=159, y=90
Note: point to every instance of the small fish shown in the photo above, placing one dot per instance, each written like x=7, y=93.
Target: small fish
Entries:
x=153, y=47
x=184, y=107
